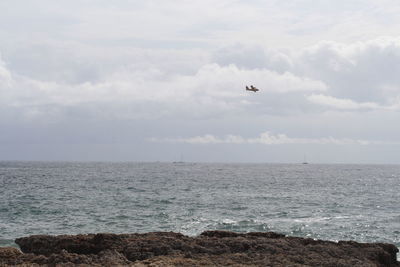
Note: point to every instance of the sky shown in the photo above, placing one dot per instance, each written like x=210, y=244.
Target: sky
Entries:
x=165, y=80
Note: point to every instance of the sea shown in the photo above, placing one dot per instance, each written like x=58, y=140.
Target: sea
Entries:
x=320, y=201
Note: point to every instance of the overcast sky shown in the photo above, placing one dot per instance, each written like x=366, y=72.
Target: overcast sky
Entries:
x=163, y=80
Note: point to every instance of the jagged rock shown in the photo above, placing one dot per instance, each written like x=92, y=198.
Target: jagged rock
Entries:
x=46, y=245
x=110, y=257
x=9, y=254
x=211, y=248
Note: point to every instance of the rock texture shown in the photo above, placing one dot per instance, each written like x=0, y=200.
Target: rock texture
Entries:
x=211, y=248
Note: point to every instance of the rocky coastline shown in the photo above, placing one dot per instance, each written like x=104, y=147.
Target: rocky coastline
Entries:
x=211, y=248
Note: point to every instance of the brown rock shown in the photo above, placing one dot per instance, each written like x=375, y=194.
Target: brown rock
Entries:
x=9, y=255
x=46, y=245
x=211, y=248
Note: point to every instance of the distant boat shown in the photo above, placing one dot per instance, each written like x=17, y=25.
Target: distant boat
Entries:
x=180, y=160
x=304, y=160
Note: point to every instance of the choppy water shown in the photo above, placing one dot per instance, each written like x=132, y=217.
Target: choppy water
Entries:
x=332, y=202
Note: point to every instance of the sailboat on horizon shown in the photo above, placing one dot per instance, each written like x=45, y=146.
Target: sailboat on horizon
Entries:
x=304, y=160
x=180, y=160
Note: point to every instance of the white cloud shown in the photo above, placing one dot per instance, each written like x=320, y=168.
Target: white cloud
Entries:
x=338, y=103
x=213, y=89
x=356, y=76
x=5, y=75
x=362, y=71
x=350, y=77
x=253, y=57
x=267, y=138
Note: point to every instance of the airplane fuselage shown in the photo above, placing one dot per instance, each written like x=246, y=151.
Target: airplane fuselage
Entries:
x=252, y=88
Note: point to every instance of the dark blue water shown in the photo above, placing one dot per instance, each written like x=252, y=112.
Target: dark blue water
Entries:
x=332, y=202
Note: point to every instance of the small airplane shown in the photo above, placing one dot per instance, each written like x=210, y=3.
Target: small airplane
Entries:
x=252, y=88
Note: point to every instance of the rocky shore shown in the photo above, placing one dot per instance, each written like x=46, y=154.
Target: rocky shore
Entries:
x=211, y=248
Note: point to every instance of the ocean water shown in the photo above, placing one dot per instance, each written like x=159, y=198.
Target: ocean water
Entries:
x=331, y=202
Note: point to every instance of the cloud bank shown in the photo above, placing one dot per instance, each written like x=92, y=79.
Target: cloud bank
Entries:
x=361, y=71
x=267, y=138
x=356, y=77
x=213, y=89
x=361, y=76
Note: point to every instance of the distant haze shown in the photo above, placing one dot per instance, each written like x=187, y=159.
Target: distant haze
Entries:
x=165, y=80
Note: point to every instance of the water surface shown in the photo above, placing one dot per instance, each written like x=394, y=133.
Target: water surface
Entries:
x=332, y=202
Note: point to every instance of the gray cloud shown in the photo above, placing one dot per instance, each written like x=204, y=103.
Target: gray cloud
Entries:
x=5, y=75
x=253, y=57
x=362, y=71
